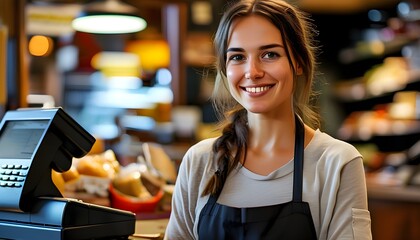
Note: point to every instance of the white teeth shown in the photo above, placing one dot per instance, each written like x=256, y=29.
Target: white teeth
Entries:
x=257, y=89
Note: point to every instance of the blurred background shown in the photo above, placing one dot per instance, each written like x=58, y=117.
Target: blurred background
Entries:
x=150, y=80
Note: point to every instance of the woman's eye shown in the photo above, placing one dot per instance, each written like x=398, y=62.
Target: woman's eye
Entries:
x=236, y=58
x=270, y=55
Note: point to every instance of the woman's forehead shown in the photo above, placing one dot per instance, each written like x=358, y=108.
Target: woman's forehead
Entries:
x=253, y=29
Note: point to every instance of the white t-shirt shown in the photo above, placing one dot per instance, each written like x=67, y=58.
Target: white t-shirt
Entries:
x=333, y=185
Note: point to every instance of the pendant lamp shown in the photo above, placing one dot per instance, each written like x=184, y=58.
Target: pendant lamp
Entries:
x=109, y=17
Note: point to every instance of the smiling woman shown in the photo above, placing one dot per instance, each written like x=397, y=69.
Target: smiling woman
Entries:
x=272, y=173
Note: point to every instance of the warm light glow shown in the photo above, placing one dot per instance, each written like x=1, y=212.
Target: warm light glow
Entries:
x=154, y=54
x=40, y=45
x=109, y=24
x=117, y=64
x=377, y=47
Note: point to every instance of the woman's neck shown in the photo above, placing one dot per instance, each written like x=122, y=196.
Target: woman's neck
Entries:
x=271, y=143
x=269, y=133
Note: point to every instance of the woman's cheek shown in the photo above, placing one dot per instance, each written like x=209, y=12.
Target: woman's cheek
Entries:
x=232, y=81
x=231, y=75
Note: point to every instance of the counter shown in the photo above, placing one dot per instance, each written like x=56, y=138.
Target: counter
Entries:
x=395, y=211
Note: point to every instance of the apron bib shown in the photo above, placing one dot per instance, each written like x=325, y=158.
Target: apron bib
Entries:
x=290, y=221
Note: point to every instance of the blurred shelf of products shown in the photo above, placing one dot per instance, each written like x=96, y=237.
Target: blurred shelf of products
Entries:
x=381, y=106
x=375, y=101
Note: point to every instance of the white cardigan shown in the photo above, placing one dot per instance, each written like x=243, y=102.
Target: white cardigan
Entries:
x=333, y=184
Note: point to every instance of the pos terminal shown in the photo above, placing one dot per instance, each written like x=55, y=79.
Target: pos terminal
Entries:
x=32, y=143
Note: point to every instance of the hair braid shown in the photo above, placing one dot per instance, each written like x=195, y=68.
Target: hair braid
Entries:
x=229, y=149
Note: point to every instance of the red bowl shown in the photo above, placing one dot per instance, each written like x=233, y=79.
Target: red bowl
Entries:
x=129, y=203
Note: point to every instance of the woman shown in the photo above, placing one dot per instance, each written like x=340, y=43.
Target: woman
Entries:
x=272, y=174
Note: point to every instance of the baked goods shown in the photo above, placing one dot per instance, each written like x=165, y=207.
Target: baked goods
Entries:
x=157, y=158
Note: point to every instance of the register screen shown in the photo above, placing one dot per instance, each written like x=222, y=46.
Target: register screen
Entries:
x=18, y=139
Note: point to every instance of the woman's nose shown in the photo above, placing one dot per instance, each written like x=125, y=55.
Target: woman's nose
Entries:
x=254, y=70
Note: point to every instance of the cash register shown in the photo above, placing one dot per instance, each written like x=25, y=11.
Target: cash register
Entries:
x=32, y=143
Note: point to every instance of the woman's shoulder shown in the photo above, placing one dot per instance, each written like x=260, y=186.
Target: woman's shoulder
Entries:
x=330, y=147
x=208, y=142
x=199, y=153
x=202, y=146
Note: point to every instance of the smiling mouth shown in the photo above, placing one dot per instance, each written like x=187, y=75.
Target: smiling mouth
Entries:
x=256, y=89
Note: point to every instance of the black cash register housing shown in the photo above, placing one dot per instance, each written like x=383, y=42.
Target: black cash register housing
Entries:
x=32, y=143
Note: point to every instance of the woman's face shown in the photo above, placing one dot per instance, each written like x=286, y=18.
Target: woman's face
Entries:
x=259, y=74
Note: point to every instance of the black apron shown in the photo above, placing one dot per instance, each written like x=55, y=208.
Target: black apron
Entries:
x=290, y=221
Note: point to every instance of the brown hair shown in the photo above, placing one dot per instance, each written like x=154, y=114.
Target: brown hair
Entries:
x=297, y=33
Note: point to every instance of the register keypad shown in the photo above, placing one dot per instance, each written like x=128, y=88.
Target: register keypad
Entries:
x=12, y=175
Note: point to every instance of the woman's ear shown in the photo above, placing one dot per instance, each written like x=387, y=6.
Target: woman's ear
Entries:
x=299, y=70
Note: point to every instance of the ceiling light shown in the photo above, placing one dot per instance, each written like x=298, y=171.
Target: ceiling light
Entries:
x=109, y=17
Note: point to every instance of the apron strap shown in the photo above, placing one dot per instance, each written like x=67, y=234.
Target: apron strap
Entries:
x=298, y=160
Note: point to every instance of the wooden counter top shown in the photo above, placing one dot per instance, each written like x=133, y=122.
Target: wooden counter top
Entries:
x=394, y=193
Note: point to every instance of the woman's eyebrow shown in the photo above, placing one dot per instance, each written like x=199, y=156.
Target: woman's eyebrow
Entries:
x=274, y=45
x=235, y=50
